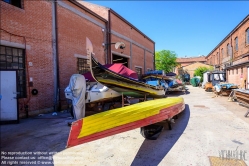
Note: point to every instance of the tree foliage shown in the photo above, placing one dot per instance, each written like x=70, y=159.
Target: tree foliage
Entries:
x=200, y=70
x=166, y=60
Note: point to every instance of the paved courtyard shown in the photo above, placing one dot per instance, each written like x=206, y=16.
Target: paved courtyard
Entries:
x=210, y=128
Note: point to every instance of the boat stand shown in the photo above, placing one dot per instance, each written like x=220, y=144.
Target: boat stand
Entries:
x=247, y=113
x=125, y=104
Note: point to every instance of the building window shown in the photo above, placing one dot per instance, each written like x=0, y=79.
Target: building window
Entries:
x=217, y=58
x=247, y=36
x=236, y=44
x=139, y=72
x=228, y=49
x=17, y=3
x=14, y=58
x=237, y=71
x=82, y=65
x=232, y=71
x=222, y=53
x=241, y=70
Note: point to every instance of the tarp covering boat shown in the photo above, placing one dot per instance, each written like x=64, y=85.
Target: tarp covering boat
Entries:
x=123, y=119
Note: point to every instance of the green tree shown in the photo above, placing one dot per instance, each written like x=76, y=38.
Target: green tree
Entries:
x=200, y=70
x=166, y=60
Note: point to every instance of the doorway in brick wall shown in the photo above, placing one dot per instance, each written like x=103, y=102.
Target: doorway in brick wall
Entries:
x=120, y=59
x=8, y=97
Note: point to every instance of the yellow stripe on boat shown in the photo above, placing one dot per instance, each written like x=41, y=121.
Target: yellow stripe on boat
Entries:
x=120, y=116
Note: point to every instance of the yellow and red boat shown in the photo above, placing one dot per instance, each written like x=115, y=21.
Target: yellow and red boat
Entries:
x=123, y=119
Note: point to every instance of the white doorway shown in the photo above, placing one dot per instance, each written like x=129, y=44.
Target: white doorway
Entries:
x=8, y=97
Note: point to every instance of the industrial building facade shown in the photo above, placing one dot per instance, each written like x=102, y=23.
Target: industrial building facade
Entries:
x=189, y=64
x=232, y=55
x=45, y=42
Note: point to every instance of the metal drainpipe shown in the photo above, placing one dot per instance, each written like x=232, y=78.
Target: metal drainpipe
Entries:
x=231, y=50
x=144, y=61
x=154, y=57
x=109, y=38
x=106, y=41
x=219, y=59
x=55, y=54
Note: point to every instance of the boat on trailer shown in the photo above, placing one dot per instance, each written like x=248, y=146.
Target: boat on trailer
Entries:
x=145, y=115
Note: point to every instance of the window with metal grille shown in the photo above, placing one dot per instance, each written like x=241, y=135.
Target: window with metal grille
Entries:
x=236, y=44
x=14, y=58
x=17, y=3
x=82, y=65
x=139, y=72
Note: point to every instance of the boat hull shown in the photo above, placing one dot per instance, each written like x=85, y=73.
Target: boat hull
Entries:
x=122, y=84
x=123, y=119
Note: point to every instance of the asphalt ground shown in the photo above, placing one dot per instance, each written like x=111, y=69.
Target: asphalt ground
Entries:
x=208, y=130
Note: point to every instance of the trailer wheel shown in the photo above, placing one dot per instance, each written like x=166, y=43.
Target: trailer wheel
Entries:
x=151, y=132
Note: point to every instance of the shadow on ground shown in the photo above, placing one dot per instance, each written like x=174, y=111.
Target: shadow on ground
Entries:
x=46, y=133
x=152, y=152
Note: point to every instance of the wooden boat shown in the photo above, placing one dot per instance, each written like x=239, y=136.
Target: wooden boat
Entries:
x=122, y=84
x=123, y=119
x=242, y=96
x=156, y=76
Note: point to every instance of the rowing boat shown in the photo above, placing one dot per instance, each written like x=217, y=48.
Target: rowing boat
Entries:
x=123, y=119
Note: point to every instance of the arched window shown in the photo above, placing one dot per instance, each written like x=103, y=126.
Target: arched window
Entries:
x=228, y=49
x=236, y=44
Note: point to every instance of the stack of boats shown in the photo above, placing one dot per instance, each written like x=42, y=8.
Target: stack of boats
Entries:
x=143, y=114
x=168, y=80
x=242, y=96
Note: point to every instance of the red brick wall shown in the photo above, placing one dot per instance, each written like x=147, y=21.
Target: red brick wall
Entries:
x=149, y=58
x=243, y=48
x=72, y=33
x=235, y=76
x=137, y=57
x=124, y=29
x=34, y=22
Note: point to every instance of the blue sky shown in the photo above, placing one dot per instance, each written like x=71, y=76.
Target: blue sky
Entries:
x=189, y=28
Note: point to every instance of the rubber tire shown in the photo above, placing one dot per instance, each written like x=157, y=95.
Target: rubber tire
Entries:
x=151, y=132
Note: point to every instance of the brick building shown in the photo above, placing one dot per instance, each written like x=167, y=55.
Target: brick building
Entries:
x=140, y=49
x=45, y=42
x=188, y=61
x=190, y=69
x=232, y=55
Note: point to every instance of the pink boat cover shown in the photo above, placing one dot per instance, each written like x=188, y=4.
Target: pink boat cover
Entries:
x=117, y=68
